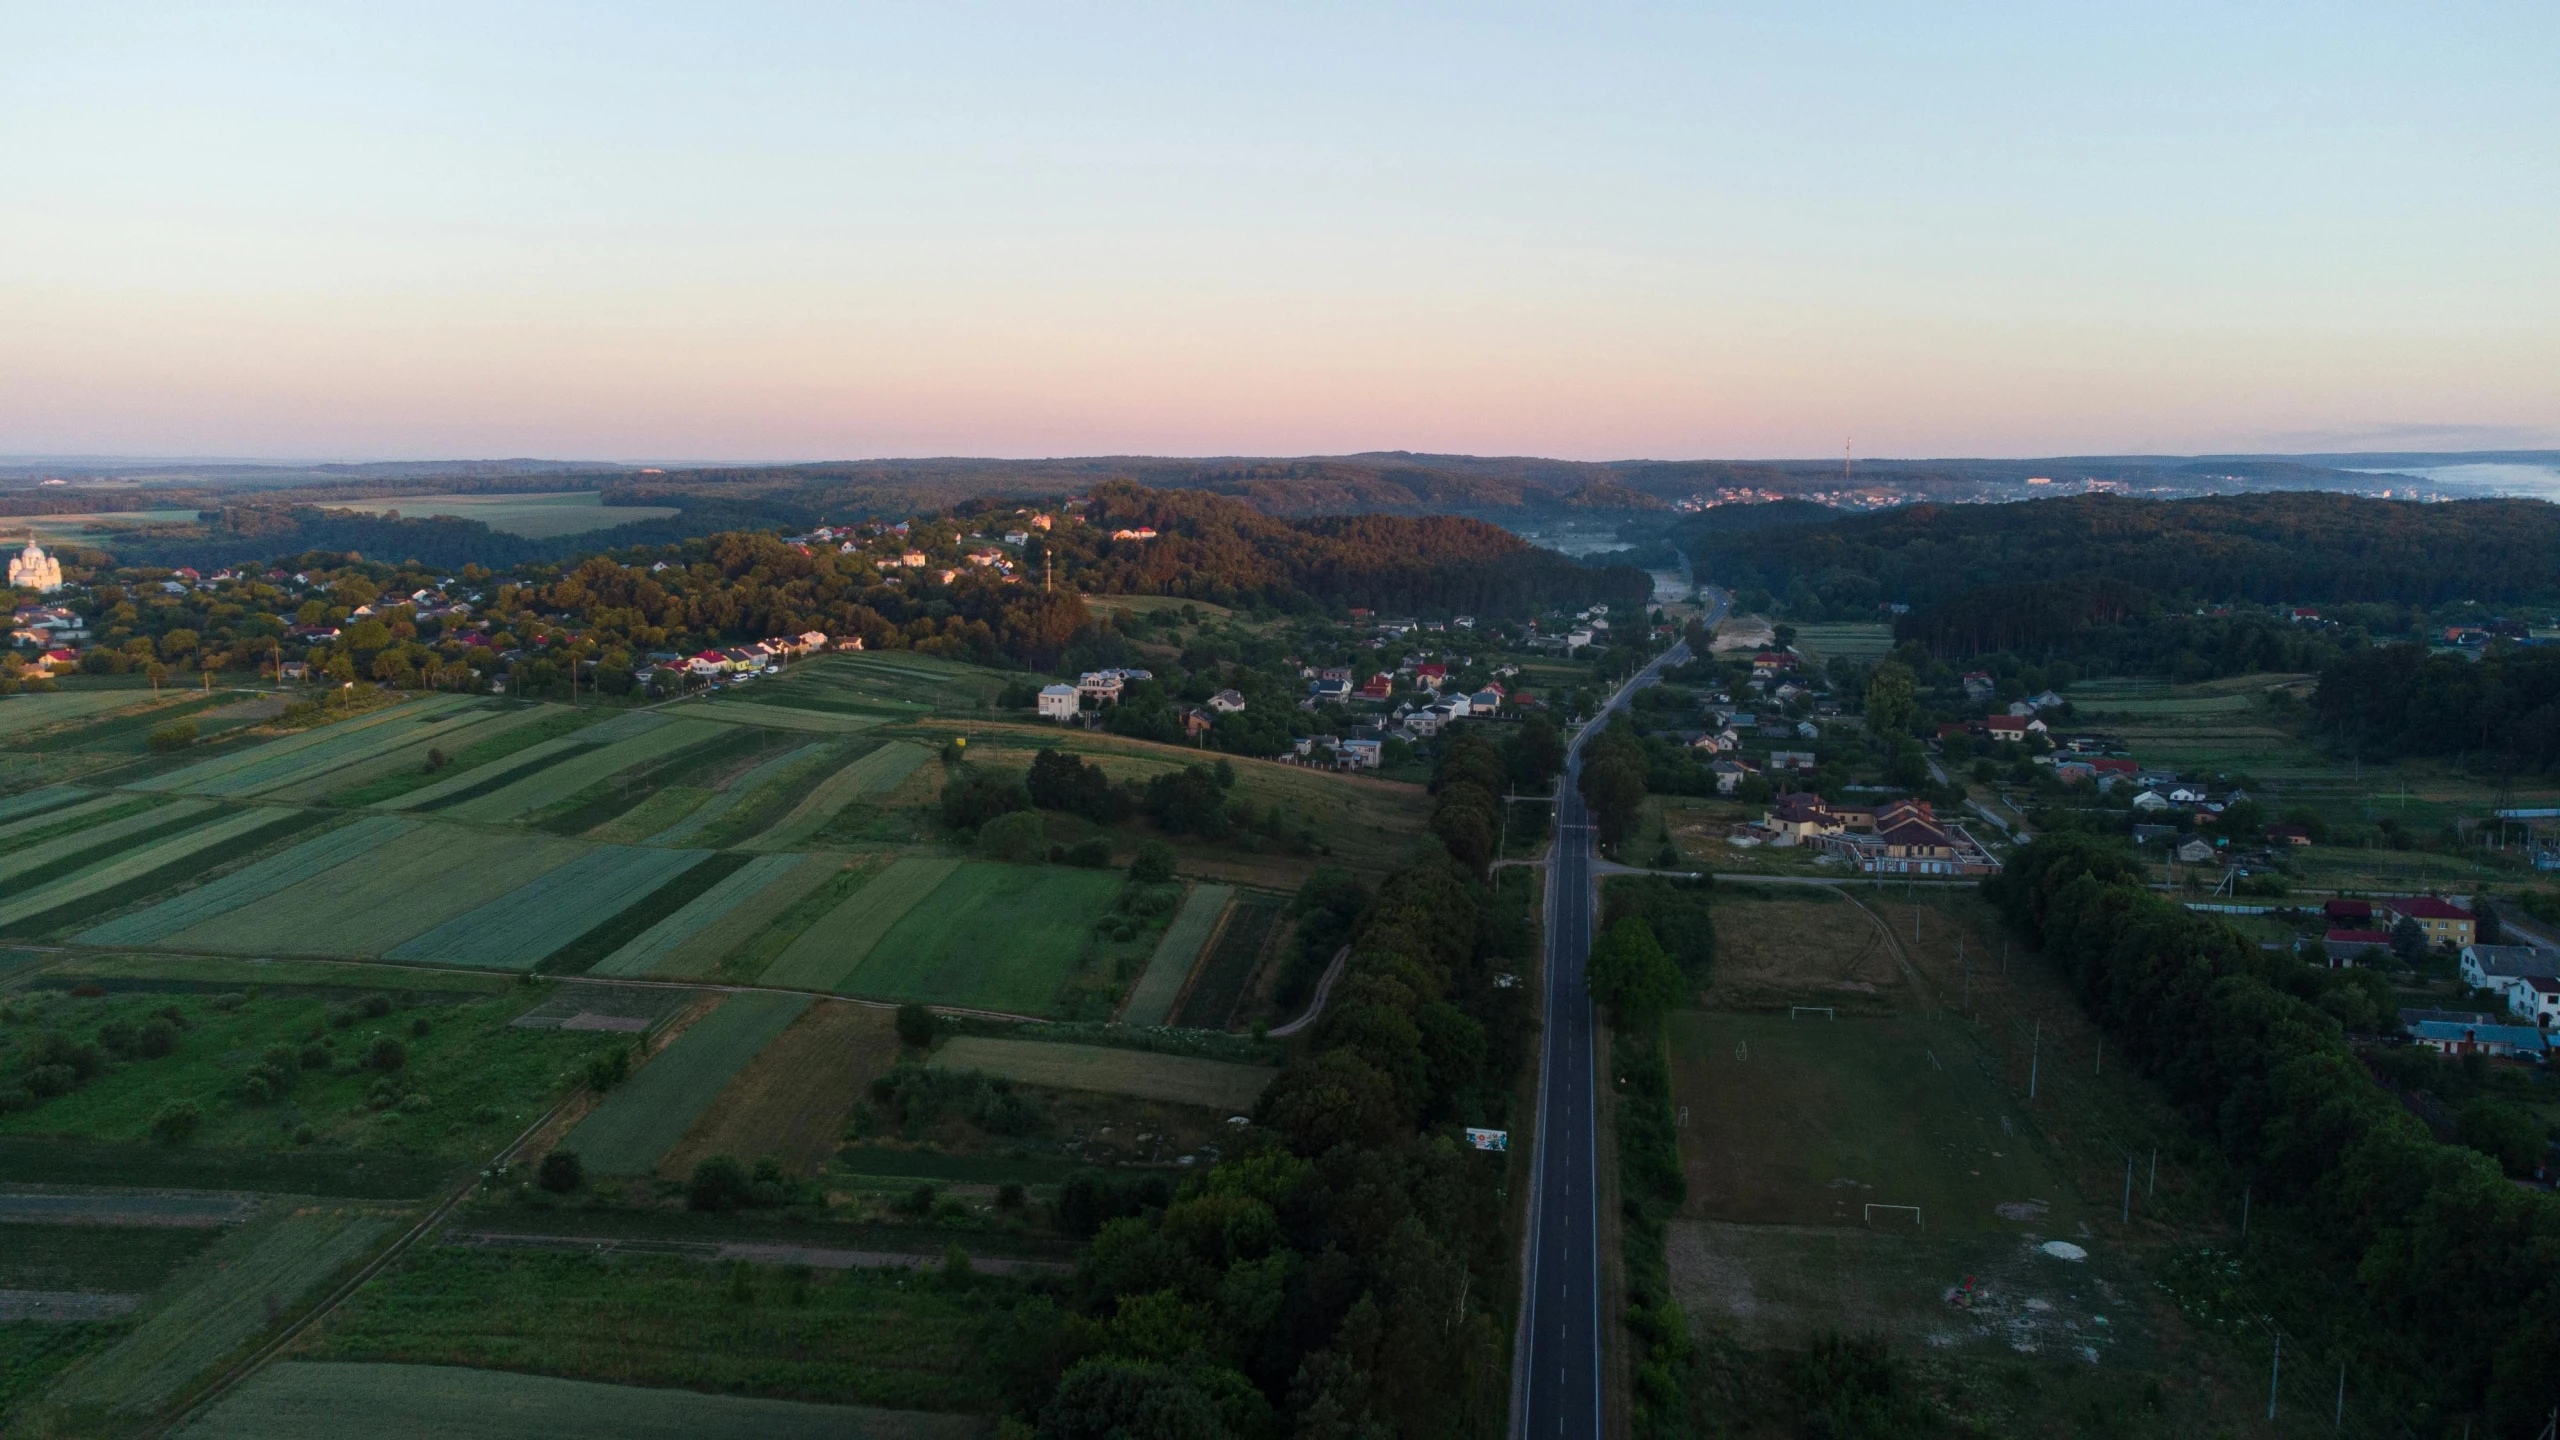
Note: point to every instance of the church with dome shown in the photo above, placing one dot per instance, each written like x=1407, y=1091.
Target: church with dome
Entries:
x=35, y=570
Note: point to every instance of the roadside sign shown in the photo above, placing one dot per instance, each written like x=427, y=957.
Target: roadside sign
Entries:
x=1488, y=1139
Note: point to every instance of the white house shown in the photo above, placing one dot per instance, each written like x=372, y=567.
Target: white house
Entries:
x=1361, y=754
x=1226, y=702
x=1059, y=702
x=2537, y=997
x=2489, y=967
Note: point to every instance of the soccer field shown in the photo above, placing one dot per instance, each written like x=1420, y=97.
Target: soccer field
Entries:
x=1813, y=1122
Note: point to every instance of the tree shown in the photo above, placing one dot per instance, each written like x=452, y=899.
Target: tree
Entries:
x=1023, y=835
x=176, y=735
x=561, y=1172
x=718, y=1182
x=972, y=797
x=915, y=1025
x=1632, y=974
x=2485, y=926
x=2408, y=941
x=1890, y=698
x=1153, y=864
x=1614, y=768
x=2508, y=1134
x=176, y=1122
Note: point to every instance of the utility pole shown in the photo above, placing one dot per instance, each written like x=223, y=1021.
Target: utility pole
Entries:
x=2035, y=1053
x=2127, y=1217
x=2338, y=1422
x=2275, y=1373
x=2152, y=1189
x=2244, y=1212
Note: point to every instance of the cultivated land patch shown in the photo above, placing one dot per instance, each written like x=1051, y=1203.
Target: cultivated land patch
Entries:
x=1855, y=642
x=112, y=1209
x=791, y=1101
x=658, y=945
x=310, y=858
x=877, y=773
x=883, y=685
x=738, y=789
x=535, y=517
x=29, y=802
x=84, y=838
x=23, y=714
x=1160, y=984
x=650, y=1113
x=519, y=928
x=140, y=864
x=1177, y=1079
x=211, y=975
x=1812, y=1121
x=460, y=732
x=1777, y=952
x=784, y=717
x=996, y=937
x=382, y=899
x=62, y=807
x=445, y=1402
x=319, y=740
x=348, y=743
x=828, y=952
x=1233, y=961
x=554, y=783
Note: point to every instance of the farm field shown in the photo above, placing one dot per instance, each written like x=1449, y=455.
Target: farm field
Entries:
x=522, y=926
x=215, y=974
x=1863, y=643
x=458, y=734
x=1777, y=947
x=783, y=717
x=1232, y=962
x=61, y=809
x=658, y=945
x=888, y=685
x=1176, y=1079
x=738, y=790
x=145, y=867
x=997, y=937
x=551, y=784
x=876, y=773
x=860, y=1336
x=827, y=953
x=281, y=764
x=375, y=903
x=25, y=714
x=791, y=1101
x=84, y=833
x=16, y=809
x=312, y=857
x=445, y=1402
x=649, y=1114
x=1151, y=1000
x=535, y=517
x=482, y=765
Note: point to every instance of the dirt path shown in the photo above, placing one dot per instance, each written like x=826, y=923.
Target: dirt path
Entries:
x=721, y=1250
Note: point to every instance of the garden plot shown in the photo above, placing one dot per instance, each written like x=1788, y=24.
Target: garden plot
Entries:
x=624, y=1009
x=398, y=729
x=650, y=1113
x=552, y=784
x=1232, y=962
x=996, y=937
x=479, y=779
x=1151, y=999
x=209, y=772
x=517, y=929
x=882, y=685
x=459, y=733
x=61, y=807
x=655, y=946
x=139, y=863
x=748, y=915
x=449, y=1402
x=312, y=857
x=32, y=802
x=152, y=1210
x=406, y=888
x=877, y=773
x=93, y=837
x=22, y=714
x=785, y=717
x=830, y=950
x=791, y=1101
x=230, y=1296
x=728, y=796
x=1175, y=1079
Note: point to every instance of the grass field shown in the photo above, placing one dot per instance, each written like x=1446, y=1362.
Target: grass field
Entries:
x=1232, y=962
x=997, y=937
x=535, y=517
x=654, y=947
x=828, y=952
x=312, y=857
x=137, y=866
x=787, y=767
x=14, y=808
x=783, y=717
x=380, y=900
x=1790, y=946
x=349, y=743
x=877, y=773
x=297, y=1399
x=863, y=1336
x=1177, y=1079
x=481, y=765
x=886, y=685
x=212, y=973
x=63, y=809
x=790, y=1102
x=67, y=837
x=27, y=714
x=651, y=1112
x=1160, y=984
x=551, y=784
x=519, y=928
x=227, y=1298
x=1854, y=642
x=460, y=733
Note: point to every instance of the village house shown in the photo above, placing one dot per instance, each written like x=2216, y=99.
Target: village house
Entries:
x=1226, y=702
x=2441, y=921
x=1731, y=773
x=1977, y=685
x=1376, y=687
x=1197, y=722
x=2535, y=997
x=2345, y=945
x=2487, y=967
x=2456, y=1033
x=1060, y=702
x=2012, y=728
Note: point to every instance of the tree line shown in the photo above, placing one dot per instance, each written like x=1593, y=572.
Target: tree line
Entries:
x=2395, y=700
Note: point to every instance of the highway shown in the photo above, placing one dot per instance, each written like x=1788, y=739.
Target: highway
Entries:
x=1556, y=1358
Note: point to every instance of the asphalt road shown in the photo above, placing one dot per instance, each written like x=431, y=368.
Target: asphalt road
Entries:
x=1556, y=1386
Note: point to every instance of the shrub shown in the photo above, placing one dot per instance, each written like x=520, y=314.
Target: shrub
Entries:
x=176, y=735
x=156, y=1038
x=1010, y=1196
x=46, y=1081
x=1016, y=837
x=719, y=1183
x=315, y=1056
x=16, y=1098
x=915, y=1025
x=562, y=1171
x=419, y=1027
x=1153, y=864
x=608, y=1069
x=304, y=1134
x=1092, y=854
x=386, y=1055
x=176, y=1122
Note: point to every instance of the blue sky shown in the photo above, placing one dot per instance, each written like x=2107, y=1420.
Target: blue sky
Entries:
x=789, y=232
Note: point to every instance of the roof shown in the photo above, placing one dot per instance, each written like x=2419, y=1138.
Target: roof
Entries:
x=1056, y=690
x=2506, y=962
x=2357, y=938
x=2428, y=907
x=2522, y=1037
x=2346, y=909
x=2540, y=984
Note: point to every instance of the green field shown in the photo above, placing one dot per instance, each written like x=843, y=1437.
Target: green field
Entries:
x=752, y=915
x=650, y=1113
x=226, y=1299
x=1861, y=642
x=22, y=714
x=860, y=1336
x=1160, y=984
x=136, y=869
x=877, y=773
x=644, y=953
x=996, y=937
x=459, y=734
x=63, y=810
x=783, y=717
x=312, y=857
x=536, y=517
x=26, y=803
x=1230, y=968
x=1176, y=1079
x=384, y=898
x=485, y=765
x=882, y=685
x=519, y=928
x=283, y=765
x=551, y=784
x=83, y=833
x=782, y=768
x=295, y=1399
x=828, y=952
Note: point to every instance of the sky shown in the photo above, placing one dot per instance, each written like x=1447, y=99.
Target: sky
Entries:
x=765, y=232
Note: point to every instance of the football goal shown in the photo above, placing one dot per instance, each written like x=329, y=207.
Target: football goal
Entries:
x=1869, y=1217
x=1824, y=1011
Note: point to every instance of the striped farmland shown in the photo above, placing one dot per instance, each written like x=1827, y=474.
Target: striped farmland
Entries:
x=264, y=770
x=210, y=771
x=652, y=947
x=514, y=931
x=458, y=734
x=51, y=797
x=32, y=818
x=650, y=1113
x=823, y=958
x=785, y=717
x=877, y=773
x=20, y=714
x=407, y=887
x=554, y=783
x=703, y=952
x=1151, y=999
x=95, y=836
x=728, y=797
x=135, y=864
x=312, y=857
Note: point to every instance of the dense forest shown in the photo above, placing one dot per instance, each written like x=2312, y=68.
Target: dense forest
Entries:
x=2395, y=700
x=2445, y=1275
x=2107, y=627
x=2265, y=548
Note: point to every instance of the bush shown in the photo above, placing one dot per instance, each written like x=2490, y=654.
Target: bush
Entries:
x=156, y=1038
x=419, y=1026
x=46, y=1081
x=607, y=1070
x=386, y=1055
x=719, y=1183
x=1016, y=837
x=1153, y=864
x=176, y=735
x=915, y=1025
x=176, y=1122
x=1011, y=1196
x=1092, y=854
x=561, y=1172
